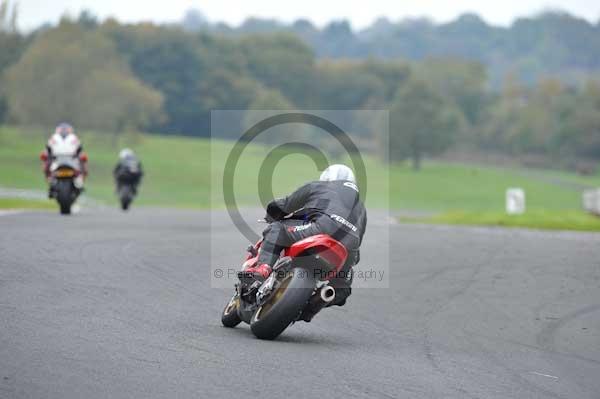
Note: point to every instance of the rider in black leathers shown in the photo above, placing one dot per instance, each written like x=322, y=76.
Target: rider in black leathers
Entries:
x=128, y=170
x=330, y=206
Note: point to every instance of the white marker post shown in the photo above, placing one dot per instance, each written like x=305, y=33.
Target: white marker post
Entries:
x=515, y=201
x=591, y=201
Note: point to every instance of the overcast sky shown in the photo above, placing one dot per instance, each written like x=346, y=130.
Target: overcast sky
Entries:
x=360, y=13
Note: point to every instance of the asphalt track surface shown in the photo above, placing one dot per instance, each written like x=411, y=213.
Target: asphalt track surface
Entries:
x=109, y=305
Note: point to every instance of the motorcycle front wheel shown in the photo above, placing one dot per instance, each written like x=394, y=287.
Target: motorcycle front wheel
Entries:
x=230, y=317
x=284, y=305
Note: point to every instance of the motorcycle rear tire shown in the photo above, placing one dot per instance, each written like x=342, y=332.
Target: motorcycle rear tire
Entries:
x=272, y=319
x=64, y=196
x=126, y=196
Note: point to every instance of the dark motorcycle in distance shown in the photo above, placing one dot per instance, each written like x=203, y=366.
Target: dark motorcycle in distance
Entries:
x=299, y=280
x=126, y=193
x=127, y=178
x=66, y=182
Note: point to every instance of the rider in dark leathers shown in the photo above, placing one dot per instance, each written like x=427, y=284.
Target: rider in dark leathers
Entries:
x=330, y=206
x=128, y=170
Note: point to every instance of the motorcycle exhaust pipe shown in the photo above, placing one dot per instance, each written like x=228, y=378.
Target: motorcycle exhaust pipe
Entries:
x=317, y=302
x=327, y=294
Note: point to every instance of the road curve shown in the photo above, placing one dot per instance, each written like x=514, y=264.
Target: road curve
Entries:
x=104, y=304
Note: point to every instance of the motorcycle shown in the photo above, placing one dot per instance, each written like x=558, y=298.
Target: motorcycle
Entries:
x=127, y=181
x=126, y=192
x=299, y=282
x=66, y=181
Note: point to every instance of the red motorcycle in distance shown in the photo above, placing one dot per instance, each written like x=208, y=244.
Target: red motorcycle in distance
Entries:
x=299, y=280
x=66, y=180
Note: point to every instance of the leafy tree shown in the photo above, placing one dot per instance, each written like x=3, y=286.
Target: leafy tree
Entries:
x=550, y=43
x=12, y=45
x=194, y=20
x=580, y=134
x=259, y=25
x=110, y=76
x=338, y=40
x=8, y=17
x=529, y=120
x=87, y=20
x=269, y=99
x=280, y=61
x=224, y=90
x=421, y=122
x=463, y=82
x=392, y=75
x=345, y=85
x=72, y=74
x=123, y=105
x=181, y=66
x=171, y=62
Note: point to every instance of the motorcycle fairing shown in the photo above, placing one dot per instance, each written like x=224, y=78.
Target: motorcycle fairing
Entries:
x=327, y=248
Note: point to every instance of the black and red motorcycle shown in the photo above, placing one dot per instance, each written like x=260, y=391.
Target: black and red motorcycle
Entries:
x=66, y=181
x=298, y=283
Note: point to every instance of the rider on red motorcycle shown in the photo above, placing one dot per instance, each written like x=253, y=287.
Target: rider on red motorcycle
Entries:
x=64, y=141
x=330, y=206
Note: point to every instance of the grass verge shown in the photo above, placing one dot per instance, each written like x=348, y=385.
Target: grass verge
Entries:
x=536, y=219
x=18, y=203
x=187, y=172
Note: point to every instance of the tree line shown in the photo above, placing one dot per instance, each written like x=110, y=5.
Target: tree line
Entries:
x=551, y=43
x=116, y=77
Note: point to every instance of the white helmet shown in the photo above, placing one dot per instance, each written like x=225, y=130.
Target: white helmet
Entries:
x=337, y=172
x=125, y=153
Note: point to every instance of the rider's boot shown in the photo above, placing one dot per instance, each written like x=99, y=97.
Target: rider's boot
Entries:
x=257, y=273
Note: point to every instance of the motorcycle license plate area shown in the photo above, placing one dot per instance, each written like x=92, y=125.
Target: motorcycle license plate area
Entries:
x=62, y=173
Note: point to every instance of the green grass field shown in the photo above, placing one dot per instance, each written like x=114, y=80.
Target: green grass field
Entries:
x=18, y=203
x=538, y=219
x=186, y=172
x=177, y=168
